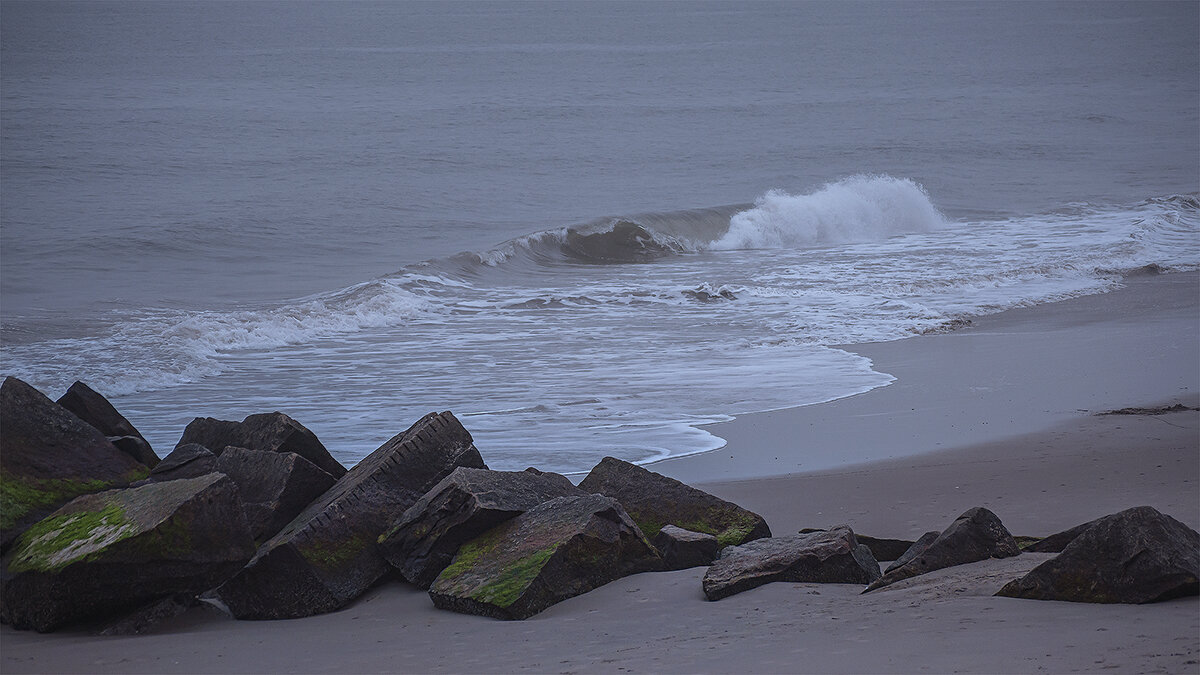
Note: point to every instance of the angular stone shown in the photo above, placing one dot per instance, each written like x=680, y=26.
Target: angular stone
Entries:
x=975, y=535
x=186, y=461
x=682, y=548
x=274, y=432
x=49, y=456
x=275, y=486
x=106, y=553
x=1055, y=543
x=918, y=547
x=833, y=556
x=327, y=556
x=146, y=618
x=554, y=551
x=463, y=506
x=653, y=500
x=882, y=549
x=1136, y=556
x=94, y=409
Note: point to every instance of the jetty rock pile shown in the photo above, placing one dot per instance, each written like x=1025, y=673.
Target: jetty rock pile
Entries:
x=258, y=519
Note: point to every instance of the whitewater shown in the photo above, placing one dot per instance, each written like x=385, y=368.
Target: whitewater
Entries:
x=587, y=229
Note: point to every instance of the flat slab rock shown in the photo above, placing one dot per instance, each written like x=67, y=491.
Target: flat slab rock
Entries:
x=327, y=555
x=1136, y=556
x=975, y=535
x=1055, y=543
x=654, y=500
x=830, y=556
x=273, y=432
x=107, y=553
x=89, y=406
x=556, y=550
x=186, y=461
x=881, y=548
x=48, y=456
x=463, y=506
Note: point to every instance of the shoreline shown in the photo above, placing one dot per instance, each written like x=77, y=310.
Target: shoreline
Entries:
x=1024, y=443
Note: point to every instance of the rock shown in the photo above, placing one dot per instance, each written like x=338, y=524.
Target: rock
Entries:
x=110, y=552
x=915, y=550
x=975, y=535
x=463, y=506
x=1055, y=543
x=833, y=556
x=274, y=432
x=882, y=549
x=1136, y=556
x=556, y=550
x=275, y=486
x=94, y=409
x=682, y=548
x=147, y=617
x=653, y=500
x=49, y=456
x=186, y=461
x=327, y=555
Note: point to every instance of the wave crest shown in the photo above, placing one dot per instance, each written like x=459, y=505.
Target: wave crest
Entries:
x=860, y=208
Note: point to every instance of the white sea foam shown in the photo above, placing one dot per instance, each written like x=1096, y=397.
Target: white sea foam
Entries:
x=856, y=209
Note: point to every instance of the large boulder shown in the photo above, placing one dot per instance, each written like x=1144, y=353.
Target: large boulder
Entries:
x=1138, y=555
x=832, y=556
x=975, y=535
x=109, y=552
x=1055, y=543
x=463, y=506
x=186, y=461
x=881, y=548
x=274, y=432
x=556, y=550
x=653, y=500
x=682, y=549
x=275, y=486
x=327, y=555
x=94, y=409
x=48, y=456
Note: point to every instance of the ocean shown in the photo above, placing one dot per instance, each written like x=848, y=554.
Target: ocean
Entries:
x=587, y=229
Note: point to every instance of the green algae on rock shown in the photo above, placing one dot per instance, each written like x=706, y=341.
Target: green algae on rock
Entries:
x=108, y=552
x=556, y=550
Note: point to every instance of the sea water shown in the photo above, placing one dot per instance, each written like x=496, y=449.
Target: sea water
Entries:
x=587, y=229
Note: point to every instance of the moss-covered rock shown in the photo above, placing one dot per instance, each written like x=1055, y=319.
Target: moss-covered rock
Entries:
x=654, y=500
x=105, y=553
x=49, y=456
x=327, y=555
x=462, y=506
x=556, y=550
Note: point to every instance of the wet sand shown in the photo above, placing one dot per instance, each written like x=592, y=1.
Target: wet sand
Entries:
x=1000, y=414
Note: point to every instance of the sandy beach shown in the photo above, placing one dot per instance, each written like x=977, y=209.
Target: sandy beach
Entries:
x=1003, y=413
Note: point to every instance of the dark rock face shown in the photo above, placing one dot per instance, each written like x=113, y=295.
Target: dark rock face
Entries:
x=833, y=556
x=653, y=500
x=556, y=550
x=463, y=506
x=1136, y=556
x=273, y=432
x=109, y=552
x=918, y=547
x=275, y=486
x=682, y=548
x=186, y=461
x=49, y=456
x=146, y=618
x=975, y=535
x=327, y=555
x=94, y=409
x=882, y=549
x=1055, y=543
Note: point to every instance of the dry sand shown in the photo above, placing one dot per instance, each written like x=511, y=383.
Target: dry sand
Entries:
x=1003, y=412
